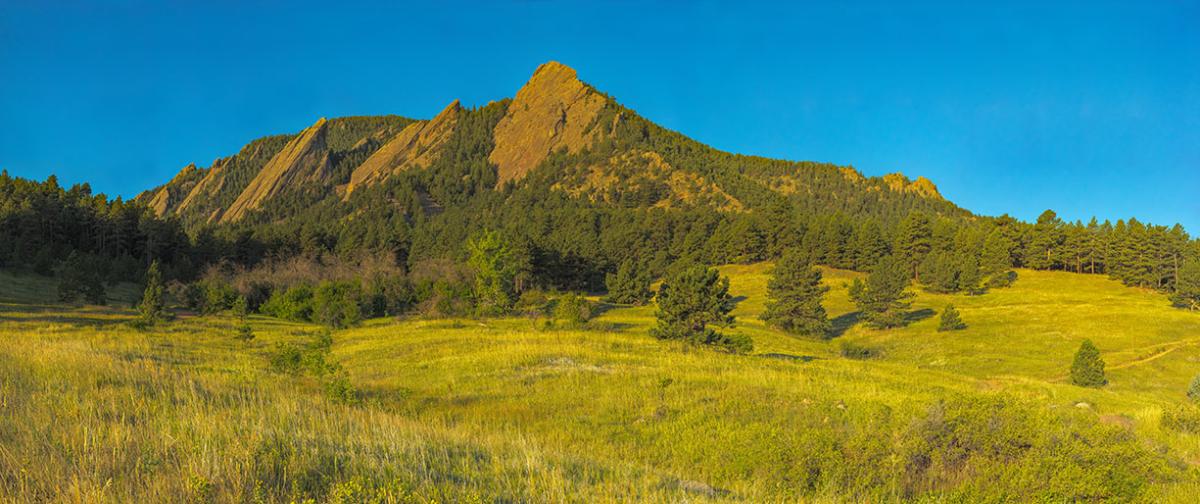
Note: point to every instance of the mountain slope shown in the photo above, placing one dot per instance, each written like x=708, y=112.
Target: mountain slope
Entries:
x=553, y=111
x=558, y=134
x=304, y=159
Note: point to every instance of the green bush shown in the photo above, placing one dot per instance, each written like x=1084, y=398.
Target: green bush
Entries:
x=855, y=351
x=1182, y=418
x=336, y=304
x=572, y=309
x=950, y=320
x=295, y=303
x=218, y=296
x=533, y=303
x=1193, y=391
x=82, y=275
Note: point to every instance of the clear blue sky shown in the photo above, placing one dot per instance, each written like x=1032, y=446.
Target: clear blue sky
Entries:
x=1089, y=108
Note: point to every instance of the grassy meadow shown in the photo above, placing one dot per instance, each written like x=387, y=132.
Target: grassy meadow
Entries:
x=508, y=410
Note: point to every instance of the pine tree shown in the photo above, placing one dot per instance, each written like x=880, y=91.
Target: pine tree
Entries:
x=882, y=299
x=914, y=240
x=794, y=297
x=241, y=309
x=152, y=310
x=1187, y=287
x=628, y=285
x=969, y=278
x=80, y=275
x=1088, y=369
x=939, y=273
x=868, y=245
x=951, y=321
x=690, y=298
x=1044, y=241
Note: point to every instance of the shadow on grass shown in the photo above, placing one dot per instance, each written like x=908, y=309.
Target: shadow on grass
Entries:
x=62, y=314
x=843, y=323
x=918, y=315
x=788, y=357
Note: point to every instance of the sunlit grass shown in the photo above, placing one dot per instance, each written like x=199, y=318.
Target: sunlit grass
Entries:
x=506, y=410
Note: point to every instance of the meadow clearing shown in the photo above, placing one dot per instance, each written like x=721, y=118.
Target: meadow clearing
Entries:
x=509, y=410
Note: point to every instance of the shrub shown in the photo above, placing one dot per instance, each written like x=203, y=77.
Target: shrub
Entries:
x=294, y=303
x=336, y=304
x=628, y=285
x=533, y=303
x=1002, y=279
x=950, y=320
x=1193, y=391
x=81, y=275
x=855, y=351
x=218, y=296
x=189, y=295
x=1182, y=418
x=573, y=309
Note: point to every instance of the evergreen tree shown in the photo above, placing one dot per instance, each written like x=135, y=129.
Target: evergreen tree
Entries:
x=152, y=309
x=969, y=278
x=628, y=285
x=241, y=309
x=1193, y=391
x=1187, y=287
x=996, y=257
x=492, y=262
x=1044, y=241
x=794, y=296
x=882, y=298
x=1088, y=369
x=80, y=275
x=690, y=298
x=939, y=273
x=868, y=245
x=951, y=321
x=914, y=240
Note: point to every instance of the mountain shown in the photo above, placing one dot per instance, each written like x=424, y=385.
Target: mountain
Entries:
x=557, y=134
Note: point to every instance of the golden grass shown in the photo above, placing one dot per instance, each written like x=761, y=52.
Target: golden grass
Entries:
x=500, y=410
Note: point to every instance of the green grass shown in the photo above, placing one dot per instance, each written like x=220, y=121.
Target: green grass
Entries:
x=501, y=410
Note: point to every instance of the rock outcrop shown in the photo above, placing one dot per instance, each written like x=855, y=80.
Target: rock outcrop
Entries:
x=552, y=111
x=304, y=159
x=897, y=182
x=416, y=146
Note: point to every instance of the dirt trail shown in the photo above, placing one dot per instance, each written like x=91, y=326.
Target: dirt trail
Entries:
x=1166, y=349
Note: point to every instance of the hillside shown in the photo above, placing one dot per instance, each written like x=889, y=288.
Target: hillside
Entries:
x=584, y=143
x=497, y=409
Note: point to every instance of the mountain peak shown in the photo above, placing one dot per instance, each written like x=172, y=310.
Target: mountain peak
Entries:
x=555, y=72
x=303, y=159
x=552, y=111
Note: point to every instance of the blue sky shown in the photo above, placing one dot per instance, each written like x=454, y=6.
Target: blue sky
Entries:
x=1089, y=108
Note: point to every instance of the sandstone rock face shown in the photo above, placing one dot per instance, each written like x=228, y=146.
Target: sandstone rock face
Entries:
x=169, y=195
x=416, y=146
x=552, y=111
x=304, y=159
x=207, y=187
